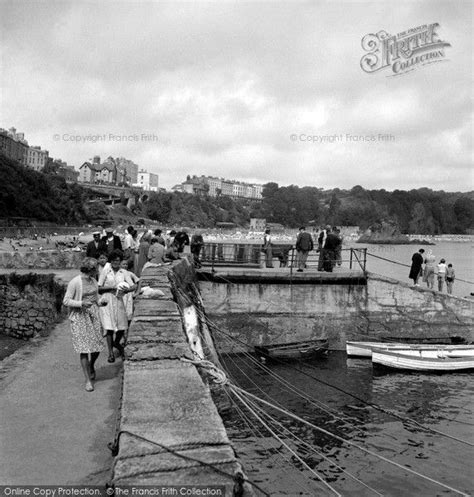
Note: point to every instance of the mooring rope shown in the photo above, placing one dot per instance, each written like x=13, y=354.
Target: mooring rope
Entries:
x=241, y=392
x=310, y=447
x=320, y=478
x=337, y=437
x=193, y=459
x=272, y=458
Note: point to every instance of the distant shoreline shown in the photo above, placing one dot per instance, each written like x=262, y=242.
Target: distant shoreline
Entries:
x=393, y=241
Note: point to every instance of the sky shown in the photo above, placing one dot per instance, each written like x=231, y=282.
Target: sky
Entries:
x=251, y=91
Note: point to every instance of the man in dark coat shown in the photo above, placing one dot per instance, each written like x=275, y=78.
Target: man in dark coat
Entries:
x=111, y=242
x=96, y=246
x=416, y=263
x=304, y=244
x=197, y=242
x=181, y=239
x=329, y=251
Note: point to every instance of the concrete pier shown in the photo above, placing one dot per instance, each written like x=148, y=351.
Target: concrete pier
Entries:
x=170, y=430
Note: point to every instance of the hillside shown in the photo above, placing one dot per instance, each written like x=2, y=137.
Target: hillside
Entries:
x=30, y=194
x=47, y=197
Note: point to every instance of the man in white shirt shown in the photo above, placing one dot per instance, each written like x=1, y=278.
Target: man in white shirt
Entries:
x=267, y=248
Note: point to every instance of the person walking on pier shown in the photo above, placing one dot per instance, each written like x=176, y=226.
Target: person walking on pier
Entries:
x=450, y=276
x=429, y=272
x=416, y=265
x=111, y=242
x=82, y=298
x=441, y=274
x=330, y=247
x=321, y=244
x=96, y=246
x=304, y=244
x=267, y=248
x=197, y=243
x=113, y=285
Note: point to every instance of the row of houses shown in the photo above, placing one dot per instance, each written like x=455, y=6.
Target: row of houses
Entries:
x=215, y=187
x=119, y=171
x=15, y=147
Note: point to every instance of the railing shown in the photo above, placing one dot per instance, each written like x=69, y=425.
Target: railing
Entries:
x=252, y=255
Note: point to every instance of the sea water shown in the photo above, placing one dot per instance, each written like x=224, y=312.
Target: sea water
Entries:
x=348, y=389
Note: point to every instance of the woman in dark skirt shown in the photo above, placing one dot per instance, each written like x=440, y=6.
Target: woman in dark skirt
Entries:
x=416, y=263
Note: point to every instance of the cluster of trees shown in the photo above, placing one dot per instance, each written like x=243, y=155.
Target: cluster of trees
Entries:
x=191, y=210
x=31, y=194
x=421, y=211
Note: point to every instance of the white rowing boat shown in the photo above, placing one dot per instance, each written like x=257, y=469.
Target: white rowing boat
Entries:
x=421, y=360
x=364, y=349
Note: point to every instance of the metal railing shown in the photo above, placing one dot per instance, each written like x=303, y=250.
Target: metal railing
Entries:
x=284, y=255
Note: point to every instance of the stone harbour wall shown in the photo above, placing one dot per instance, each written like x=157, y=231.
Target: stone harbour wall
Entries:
x=259, y=313
x=29, y=304
x=170, y=431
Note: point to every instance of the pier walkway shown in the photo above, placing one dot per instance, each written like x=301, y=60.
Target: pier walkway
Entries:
x=51, y=430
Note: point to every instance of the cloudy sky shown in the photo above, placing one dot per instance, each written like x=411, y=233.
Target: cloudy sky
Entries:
x=238, y=90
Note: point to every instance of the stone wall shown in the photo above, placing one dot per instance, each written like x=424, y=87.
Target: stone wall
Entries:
x=29, y=304
x=168, y=419
x=262, y=313
x=41, y=259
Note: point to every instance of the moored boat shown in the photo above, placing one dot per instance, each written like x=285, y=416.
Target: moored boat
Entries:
x=307, y=349
x=364, y=349
x=422, y=359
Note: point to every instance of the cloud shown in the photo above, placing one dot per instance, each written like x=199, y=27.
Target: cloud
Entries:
x=223, y=86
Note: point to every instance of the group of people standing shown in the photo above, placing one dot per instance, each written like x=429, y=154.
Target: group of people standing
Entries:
x=329, y=248
x=100, y=298
x=426, y=268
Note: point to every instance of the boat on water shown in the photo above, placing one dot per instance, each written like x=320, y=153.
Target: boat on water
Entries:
x=364, y=349
x=302, y=350
x=422, y=359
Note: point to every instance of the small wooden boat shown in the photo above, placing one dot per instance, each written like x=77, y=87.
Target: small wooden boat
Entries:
x=422, y=359
x=307, y=349
x=364, y=349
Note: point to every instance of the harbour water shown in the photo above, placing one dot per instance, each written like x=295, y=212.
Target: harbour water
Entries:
x=348, y=389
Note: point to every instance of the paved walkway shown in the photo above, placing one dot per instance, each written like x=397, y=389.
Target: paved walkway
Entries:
x=51, y=430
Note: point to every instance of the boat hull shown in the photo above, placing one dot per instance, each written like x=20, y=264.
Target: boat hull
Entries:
x=421, y=362
x=293, y=351
x=364, y=349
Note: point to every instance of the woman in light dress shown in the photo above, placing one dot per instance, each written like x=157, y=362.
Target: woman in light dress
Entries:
x=429, y=271
x=113, y=286
x=132, y=280
x=82, y=298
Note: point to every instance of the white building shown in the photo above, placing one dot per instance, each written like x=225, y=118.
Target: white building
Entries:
x=147, y=181
x=36, y=158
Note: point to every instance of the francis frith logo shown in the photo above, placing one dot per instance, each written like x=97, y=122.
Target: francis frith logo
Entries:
x=404, y=51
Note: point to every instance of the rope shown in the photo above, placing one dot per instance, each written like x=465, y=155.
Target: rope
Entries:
x=294, y=416
x=193, y=459
x=239, y=391
x=263, y=412
x=220, y=378
x=407, y=265
x=272, y=458
x=286, y=445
